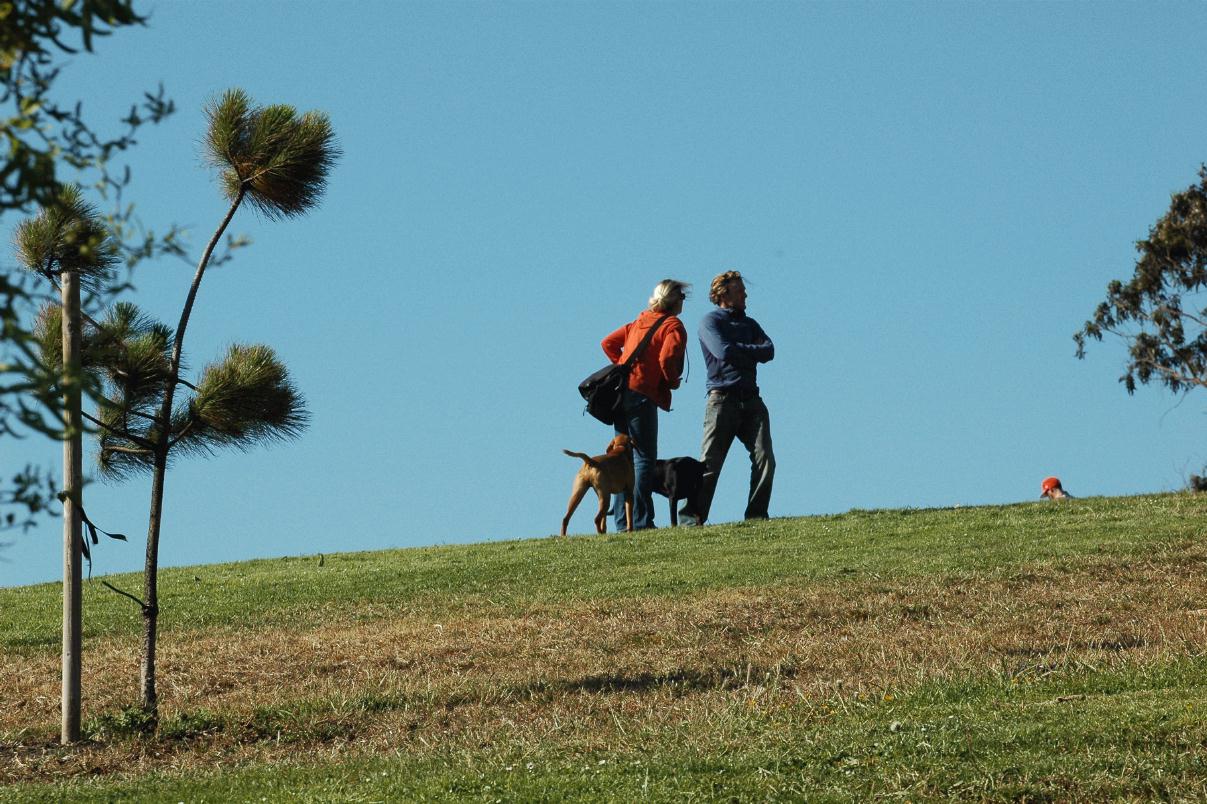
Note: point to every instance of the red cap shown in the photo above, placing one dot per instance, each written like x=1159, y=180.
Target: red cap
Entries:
x=1049, y=484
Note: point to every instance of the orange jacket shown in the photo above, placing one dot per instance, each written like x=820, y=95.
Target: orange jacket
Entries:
x=660, y=366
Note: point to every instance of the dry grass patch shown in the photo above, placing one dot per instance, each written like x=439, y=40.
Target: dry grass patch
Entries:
x=595, y=674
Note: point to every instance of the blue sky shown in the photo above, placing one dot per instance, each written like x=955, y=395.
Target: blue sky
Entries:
x=928, y=200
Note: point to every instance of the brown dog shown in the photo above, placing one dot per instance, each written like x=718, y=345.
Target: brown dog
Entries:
x=610, y=473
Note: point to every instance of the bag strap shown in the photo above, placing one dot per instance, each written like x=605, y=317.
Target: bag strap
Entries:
x=649, y=334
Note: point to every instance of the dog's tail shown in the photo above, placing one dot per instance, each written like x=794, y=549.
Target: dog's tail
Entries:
x=587, y=459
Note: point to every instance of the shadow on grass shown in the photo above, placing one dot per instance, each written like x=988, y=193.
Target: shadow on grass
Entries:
x=680, y=679
x=1112, y=645
x=318, y=722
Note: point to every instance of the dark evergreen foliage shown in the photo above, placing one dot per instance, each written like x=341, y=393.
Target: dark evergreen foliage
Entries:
x=1162, y=311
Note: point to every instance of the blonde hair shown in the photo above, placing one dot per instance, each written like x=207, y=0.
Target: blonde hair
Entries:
x=667, y=293
x=720, y=284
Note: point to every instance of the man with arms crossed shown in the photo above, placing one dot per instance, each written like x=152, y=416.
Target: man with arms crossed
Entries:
x=734, y=344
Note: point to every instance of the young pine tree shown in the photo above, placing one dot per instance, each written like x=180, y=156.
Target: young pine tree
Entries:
x=277, y=161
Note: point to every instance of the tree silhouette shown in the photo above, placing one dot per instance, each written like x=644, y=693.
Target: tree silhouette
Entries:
x=1162, y=311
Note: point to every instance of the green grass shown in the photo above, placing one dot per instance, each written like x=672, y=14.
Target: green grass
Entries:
x=1093, y=683
x=988, y=541
x=1078, y=735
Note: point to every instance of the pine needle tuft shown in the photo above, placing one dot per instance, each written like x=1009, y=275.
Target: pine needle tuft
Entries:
x=67, y=235
x=280, y=159
x=245, y=399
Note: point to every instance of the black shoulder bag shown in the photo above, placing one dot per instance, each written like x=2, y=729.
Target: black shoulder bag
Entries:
x=604, y=390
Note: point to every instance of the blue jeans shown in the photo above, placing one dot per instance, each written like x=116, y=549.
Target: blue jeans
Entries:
x=729, y=416
x=641, y=425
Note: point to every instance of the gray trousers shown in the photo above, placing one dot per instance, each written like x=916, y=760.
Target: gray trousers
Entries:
x=727, y=417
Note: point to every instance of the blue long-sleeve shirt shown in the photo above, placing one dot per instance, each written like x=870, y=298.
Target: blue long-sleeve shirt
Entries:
x=733, y=344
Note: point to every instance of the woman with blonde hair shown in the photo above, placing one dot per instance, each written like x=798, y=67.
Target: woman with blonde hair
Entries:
x=656, y=372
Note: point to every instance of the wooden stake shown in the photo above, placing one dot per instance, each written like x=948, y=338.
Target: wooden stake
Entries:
x=72, y=495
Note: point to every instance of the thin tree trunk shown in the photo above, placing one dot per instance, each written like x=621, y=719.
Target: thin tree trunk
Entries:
x=150, y=608
x=72, y=497
x=163, y=443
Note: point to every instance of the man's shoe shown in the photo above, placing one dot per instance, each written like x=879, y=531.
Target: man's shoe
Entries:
x=688, y=519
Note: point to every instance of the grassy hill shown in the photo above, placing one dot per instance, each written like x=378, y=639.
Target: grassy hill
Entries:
x=1036, y=651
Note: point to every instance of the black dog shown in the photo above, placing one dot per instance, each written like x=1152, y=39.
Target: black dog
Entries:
x=680, y=479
